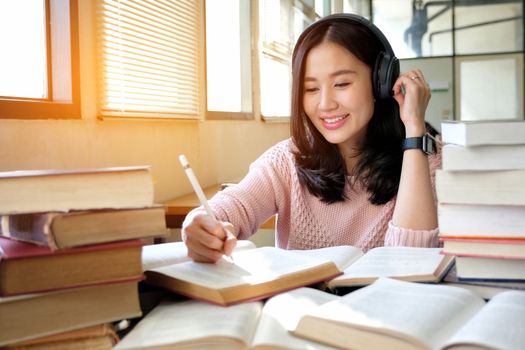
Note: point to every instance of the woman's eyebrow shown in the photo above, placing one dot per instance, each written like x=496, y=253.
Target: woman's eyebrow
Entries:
x=342, y=72
x=334, y=74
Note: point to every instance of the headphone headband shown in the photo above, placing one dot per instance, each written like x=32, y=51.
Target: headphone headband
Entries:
x=386, y=69
x=342, y=17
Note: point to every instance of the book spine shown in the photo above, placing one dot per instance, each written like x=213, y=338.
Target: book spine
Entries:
x=32, y=228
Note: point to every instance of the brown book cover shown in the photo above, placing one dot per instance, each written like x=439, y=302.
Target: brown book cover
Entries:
x=31, y=316
x=31, y=191
x=78, y=228
x=98, y=337
x=28, y=268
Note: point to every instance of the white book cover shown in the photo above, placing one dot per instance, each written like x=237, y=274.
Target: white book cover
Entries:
x=475, y=133
x=477, y=158
x=503, y=187
x=506, y=221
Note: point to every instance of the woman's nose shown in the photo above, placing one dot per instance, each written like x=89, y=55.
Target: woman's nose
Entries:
x=327, y=100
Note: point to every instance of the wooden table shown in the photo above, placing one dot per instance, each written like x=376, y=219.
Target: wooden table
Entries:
x=178, y=208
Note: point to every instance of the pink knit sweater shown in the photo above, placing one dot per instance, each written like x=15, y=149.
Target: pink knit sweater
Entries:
x=304, y=222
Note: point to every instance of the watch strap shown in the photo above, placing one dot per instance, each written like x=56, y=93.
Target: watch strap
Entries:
x=426, y=143
x=413, y=143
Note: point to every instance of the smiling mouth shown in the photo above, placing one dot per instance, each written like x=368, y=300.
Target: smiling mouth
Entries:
x=334, y=119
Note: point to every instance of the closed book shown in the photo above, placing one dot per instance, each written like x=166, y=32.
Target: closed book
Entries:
x=59, y=230
x=483, y=221
x=28, y=268
x=475, y=133
x=486, y=267
x=484, y=288
x=496, y=248
x=504, y=187
x=31, y=316
x=98, y=337
x=75, y=189
x=480, y=158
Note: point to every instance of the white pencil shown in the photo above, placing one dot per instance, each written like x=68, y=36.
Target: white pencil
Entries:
x=198, y=189
x=196, y=186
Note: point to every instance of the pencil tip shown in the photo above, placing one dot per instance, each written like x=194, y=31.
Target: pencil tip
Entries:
x=184, y=161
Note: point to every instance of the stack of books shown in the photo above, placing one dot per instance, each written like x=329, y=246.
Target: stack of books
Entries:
x=70, y=252
x=481, y=197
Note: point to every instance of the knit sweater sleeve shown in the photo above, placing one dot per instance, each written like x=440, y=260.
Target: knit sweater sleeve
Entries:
x=253, y=200
x=399, y=236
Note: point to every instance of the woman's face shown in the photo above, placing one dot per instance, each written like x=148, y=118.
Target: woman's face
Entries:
x=338, y=95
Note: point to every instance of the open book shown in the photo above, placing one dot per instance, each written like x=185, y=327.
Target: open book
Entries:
x=195, y=325
x=253, y=274
x=391, y=314
x=404, y=263
x=157, y=255
x=257, y=273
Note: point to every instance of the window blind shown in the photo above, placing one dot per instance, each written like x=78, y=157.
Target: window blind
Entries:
x=149, y=58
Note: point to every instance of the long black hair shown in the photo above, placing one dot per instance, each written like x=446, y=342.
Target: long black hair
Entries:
x=319, y=164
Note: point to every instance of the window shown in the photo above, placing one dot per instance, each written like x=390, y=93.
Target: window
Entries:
x=415, y=29
x=248, y=53
x=24, y=75
x=39, y=64
x=488, y=27
x=228, y=59
x=150, y=58
x=280, y=24
x=497, y=95
x=480, y=41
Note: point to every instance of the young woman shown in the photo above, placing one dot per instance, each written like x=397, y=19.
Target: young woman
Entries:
x=354, y=171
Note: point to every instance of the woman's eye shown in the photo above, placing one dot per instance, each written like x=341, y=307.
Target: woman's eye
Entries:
x=342, y=85
x=309, y=90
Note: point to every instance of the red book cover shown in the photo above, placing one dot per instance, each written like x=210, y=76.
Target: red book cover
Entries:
x=12, y=249
x=28, y=268
x=484, y=240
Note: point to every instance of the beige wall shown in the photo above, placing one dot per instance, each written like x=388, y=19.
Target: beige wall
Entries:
x=217, y=150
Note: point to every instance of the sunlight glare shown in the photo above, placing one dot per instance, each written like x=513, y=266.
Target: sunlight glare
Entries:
x=23, y=66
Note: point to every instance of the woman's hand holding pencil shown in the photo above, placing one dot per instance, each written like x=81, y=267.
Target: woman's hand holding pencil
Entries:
x=206, y=238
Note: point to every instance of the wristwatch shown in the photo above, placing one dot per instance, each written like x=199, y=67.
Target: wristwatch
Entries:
x=426, y=143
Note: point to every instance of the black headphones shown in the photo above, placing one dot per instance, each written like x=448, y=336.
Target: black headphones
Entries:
x=386, y=68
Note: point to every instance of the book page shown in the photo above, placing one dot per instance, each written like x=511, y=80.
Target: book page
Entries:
x=499, y=325
x=342, y=256
x=280, y=315
x=252, y=266
x=392, y=262
x=157, y=255
x=185, y=324
x=427, y=312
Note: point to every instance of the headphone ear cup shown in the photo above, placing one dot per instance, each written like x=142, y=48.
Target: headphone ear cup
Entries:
x=392, y=73
x=376, y=81
x=385, y=73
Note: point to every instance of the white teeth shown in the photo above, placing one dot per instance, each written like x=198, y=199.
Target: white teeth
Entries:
x=335, y=119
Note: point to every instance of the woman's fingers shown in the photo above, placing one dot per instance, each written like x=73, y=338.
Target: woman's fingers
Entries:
x=231, y=241
x=207, y=240
x=412, y=93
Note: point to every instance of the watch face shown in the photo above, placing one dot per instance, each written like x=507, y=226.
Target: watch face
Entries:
x=429, y=144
